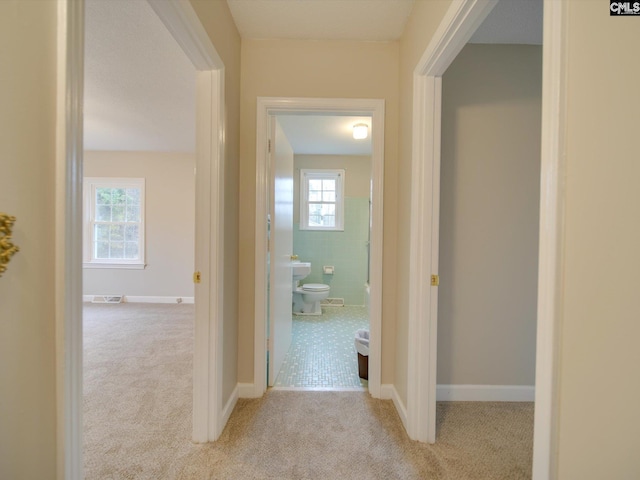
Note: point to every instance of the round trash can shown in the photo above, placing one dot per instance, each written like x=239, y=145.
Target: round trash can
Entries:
x=362, y=347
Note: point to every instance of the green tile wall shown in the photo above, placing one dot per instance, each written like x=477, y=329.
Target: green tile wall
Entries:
x=346, y=251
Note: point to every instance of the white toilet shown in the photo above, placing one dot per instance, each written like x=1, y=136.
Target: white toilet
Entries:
x=307, y=297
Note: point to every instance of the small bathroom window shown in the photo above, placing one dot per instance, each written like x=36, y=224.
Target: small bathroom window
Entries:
x=322, y=200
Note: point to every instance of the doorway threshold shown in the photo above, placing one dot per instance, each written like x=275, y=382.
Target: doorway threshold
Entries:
x=321, y=389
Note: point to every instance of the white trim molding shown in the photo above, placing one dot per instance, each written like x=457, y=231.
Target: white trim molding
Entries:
x=266, y=107
x=551, y=253
x=485, y=393
x=68, y=270
x=147, y=299
x=389, y=392
x=457, y=26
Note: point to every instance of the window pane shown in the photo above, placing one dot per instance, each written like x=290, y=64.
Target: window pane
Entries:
x=103, y=196
x=130, y=250
x=315, y=215
x=133, y=196
x=329, y=196
x=103, y=213
x=322, y=215
x=131, y=233
x=118, y=196
x=102, y=233
x=102, y=250
x=328, y=209
x=315, y=184
x=117, y=213
x=116, y=233
x=329, y=185
x=133, y=213
x=116, y=250
x=315, y=195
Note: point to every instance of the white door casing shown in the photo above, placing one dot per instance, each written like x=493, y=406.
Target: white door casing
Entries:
x=182, y=21
x=266, y=107
x=458, y=25
x=281, y=248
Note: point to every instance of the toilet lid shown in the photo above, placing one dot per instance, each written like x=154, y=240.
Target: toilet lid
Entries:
x=315, y=287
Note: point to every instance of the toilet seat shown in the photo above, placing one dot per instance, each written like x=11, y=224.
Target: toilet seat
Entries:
x=315, y=287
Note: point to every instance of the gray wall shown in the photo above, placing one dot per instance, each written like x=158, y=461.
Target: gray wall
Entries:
x=169, y=224
x=489, y=216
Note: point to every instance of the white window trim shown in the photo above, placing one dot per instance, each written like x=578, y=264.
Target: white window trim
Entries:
x=90, y=184
x=339, y=175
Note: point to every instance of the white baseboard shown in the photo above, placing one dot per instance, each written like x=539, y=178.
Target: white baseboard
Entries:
x=148, y=299
x=247, y=390
x=226, y=411
x=389, y=392
x=485, y=393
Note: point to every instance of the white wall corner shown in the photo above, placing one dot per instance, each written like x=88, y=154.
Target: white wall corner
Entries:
x=485, y=393
x=389, y=392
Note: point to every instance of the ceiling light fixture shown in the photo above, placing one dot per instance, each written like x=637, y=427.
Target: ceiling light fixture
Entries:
x=360, y=131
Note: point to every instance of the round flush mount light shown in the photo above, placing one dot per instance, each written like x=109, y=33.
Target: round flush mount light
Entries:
x=360, y=131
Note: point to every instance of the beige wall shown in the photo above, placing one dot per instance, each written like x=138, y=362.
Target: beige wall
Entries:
x=425, y=18
x=27, y=288
x=357, y=175
x=332, y=69
x=169, y=224
x=218, y=22
x=599, y=377
x=489, y=214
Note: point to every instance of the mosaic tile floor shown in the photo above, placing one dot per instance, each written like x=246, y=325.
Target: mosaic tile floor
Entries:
x=322, y=353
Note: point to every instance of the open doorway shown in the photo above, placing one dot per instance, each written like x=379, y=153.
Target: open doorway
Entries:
x=458, y=26
x=319, y=226
x=269, y=108
x=209, y=415
x=139, y=230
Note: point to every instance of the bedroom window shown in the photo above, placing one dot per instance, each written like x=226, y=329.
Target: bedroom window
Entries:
x=114, y=226
x=322, y=200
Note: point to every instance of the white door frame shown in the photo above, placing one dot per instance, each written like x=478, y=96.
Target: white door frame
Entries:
x=280, y=105
x=183, y=23
x=458, y=25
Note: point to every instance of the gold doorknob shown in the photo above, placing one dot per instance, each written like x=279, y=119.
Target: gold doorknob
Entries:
x=294, y=257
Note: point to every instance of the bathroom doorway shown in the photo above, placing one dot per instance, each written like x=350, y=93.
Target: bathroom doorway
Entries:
x=362, y=175
x=320, y=200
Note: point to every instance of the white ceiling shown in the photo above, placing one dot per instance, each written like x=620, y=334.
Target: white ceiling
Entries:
x=373, y=20
x=325, y=134
x=140, y=86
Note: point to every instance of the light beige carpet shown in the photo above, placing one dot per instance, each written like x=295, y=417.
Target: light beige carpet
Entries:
x=138, y=419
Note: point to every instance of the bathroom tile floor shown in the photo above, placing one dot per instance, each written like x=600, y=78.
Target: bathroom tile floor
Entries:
x=322, y=353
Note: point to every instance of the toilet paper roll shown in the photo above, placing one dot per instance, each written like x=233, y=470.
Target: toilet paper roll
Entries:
x=328, y=269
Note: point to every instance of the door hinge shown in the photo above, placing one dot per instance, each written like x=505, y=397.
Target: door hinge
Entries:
x=197, y=277
x=435, y=280
x=269, y=145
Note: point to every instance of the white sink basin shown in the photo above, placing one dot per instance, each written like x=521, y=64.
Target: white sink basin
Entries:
x=301, y=270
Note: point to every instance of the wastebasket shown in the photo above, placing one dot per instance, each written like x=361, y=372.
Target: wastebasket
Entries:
x=362, y=347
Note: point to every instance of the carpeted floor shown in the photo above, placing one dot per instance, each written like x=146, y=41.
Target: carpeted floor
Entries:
x=137, y=419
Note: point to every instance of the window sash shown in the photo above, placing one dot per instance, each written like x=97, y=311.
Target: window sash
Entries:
x=114, y=227
x=323, y=189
